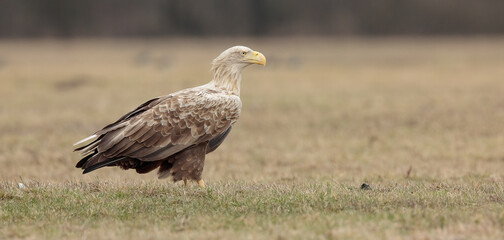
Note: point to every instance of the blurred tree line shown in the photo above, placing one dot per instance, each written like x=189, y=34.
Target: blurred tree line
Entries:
x=116, y=18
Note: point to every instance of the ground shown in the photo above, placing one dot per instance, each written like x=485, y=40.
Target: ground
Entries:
x=418, y=120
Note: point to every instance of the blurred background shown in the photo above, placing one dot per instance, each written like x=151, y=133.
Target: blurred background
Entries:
x=159, y=18
x=353, y=90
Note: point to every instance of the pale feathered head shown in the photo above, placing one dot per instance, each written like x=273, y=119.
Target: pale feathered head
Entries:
x=227, y=67
x=238, y=57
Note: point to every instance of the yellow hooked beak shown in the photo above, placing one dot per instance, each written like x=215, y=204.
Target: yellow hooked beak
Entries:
x=256, y=58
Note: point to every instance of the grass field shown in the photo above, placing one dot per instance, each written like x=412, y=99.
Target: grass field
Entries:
x=419, y=120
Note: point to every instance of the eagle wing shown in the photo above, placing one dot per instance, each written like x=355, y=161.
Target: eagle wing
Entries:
x=163, y=126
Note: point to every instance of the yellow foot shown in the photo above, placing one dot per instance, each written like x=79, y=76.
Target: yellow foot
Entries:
x=201, y=183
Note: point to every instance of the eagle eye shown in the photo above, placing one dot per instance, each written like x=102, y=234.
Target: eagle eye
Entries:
x=243, y=53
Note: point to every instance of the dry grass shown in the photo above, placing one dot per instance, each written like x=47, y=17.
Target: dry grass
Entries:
x=326, y=209
x=324, y=116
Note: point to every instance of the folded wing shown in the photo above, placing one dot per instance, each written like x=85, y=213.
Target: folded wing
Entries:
x=162, y=127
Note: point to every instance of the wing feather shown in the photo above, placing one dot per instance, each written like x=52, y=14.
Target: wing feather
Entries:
x=109, y=140
x=134, y=128
x=139, y=133
x=216, y=141
x=153, y=139
x=148, y=135
x=133, y=148
x=122, y=120
x=164, y=152
x=164, y=126
x=124, y=144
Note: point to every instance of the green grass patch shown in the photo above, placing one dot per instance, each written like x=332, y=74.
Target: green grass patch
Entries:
x=314, y=208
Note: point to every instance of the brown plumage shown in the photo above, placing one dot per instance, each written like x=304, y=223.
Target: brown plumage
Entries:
x=176, y=131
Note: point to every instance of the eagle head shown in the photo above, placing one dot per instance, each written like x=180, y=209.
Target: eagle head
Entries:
x=239, y=56
x=227, y=67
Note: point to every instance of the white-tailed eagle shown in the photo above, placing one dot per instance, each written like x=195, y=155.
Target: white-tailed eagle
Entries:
x=174, y=132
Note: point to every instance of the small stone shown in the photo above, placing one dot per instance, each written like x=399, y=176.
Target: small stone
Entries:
x=365, y=186
x=21, y=186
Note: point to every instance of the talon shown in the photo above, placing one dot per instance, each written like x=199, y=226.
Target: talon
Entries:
x=201, y=183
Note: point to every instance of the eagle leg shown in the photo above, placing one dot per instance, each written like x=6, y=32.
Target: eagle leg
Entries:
x=201, y=183
x=185, y=165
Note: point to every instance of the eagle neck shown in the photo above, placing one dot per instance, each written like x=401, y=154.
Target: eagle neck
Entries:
x=228, y=78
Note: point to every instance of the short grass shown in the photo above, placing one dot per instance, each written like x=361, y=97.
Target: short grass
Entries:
x=416, y=208
x=419, y=120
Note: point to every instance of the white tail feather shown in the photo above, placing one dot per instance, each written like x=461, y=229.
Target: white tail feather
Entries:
x=89, y=149
x=87, y=152
x=90, y=138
